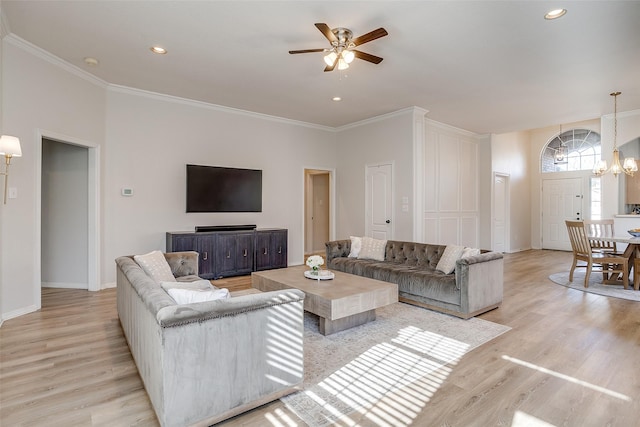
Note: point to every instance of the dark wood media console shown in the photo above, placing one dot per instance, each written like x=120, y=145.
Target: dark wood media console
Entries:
x=233, y=251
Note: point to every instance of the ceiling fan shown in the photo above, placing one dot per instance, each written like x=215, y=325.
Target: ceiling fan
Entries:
x=342, y=50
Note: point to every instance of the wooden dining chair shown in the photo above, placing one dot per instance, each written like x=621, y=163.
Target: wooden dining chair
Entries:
x=611, y=265
x=601, y=227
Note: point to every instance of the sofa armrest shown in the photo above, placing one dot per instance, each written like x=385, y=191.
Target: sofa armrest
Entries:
x=481, y=281
x=182, y=314
x=337, y=249
x=183, y=263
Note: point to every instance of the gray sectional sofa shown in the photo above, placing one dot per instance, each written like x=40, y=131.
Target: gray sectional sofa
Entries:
x=474, y=287
x=204, y=362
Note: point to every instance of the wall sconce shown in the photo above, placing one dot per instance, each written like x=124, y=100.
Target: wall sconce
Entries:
x=9, y=147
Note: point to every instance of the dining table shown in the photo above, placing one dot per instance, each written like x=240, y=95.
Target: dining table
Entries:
x=632, y=250
x=633, y=243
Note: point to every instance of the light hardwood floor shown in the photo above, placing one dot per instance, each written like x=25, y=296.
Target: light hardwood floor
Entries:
x=571, y=359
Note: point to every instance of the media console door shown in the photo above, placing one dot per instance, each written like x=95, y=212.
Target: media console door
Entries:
x=271, y=249
x=234, y=254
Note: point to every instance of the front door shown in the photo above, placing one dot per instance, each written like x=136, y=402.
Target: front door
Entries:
x=379, y=201
x=561, y=200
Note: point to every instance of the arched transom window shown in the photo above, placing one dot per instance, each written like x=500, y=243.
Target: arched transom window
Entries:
x=572, y=150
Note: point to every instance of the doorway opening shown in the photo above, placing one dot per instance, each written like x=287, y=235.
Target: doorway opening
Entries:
x=318, y=207
x=500, y=212
x=67, y=207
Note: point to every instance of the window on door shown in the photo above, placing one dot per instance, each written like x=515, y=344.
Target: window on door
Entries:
x=573, y=150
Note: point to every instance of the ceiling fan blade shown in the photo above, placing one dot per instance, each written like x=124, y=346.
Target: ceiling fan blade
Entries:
x=324, y=29
x=293, y=52
x=365, y=38
x=331, y=67
x=367, y=57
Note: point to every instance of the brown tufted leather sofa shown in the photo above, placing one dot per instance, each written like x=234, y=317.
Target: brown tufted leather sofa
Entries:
x=473, y=288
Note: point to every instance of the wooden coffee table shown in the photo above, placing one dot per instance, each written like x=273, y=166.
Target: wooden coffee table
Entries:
x=341, y=303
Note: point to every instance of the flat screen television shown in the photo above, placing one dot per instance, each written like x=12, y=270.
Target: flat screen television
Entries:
x=219, y=189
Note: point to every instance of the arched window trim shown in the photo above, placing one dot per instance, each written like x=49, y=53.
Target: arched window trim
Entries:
x=582, y=149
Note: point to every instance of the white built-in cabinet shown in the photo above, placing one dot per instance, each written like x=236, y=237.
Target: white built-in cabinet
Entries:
x=451, y=186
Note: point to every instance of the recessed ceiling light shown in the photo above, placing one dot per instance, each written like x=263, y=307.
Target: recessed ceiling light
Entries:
x=555, y=13
x=159, y=50
x=336, y=98
x=92, y=62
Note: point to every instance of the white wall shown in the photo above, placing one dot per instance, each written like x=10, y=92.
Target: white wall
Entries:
x=151, y=138
x=38, y=94
x=3, y=33
x=145, y=141
x=510, y=155
x=382, y=140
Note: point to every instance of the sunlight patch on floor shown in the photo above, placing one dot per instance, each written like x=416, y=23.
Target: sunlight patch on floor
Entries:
x=389, y=383
x=568, y=378
x=520, y=419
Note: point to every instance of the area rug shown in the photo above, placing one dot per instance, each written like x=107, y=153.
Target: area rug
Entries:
x=355, y=372
x=595, y=285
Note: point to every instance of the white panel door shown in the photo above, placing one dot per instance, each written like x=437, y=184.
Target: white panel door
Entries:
x=379, y=201
x=561, y=200
x=500, y=212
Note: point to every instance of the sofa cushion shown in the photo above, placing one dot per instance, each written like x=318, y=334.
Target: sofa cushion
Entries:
x=198, y=285
x=356, y=246
x=428, y=284
x=469, y=252
x=188, y=296
x=416, y=254
x=447, y=263
x=156, y=266
x=372, y=249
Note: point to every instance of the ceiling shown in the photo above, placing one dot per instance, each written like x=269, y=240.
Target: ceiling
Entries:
x=483, y=66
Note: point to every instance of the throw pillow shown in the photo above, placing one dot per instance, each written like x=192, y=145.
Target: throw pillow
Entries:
x=196, y=285
x=188, y=296
x=449, y=257
x=356, y=246
x=372, y=249
x=156, y=266
x=469, y=252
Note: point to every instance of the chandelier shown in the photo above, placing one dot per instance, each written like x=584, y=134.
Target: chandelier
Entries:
x=560, y=155
x=629, y=165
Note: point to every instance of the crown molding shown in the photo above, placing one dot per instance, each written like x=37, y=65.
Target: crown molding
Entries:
x=54, y=60
x=381, y=117
x=623, y=114
x=200, y=104
x=444, y=126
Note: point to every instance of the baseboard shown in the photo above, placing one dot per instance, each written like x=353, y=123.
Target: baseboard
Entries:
x=19, y=312
x=109, y=285
x=64, y=285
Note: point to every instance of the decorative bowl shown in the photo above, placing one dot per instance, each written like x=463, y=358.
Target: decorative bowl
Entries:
x=635, y=232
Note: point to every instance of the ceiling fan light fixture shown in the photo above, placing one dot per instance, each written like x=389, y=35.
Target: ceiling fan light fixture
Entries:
x=342, y=64
x=330, y=58
x=348, y=56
